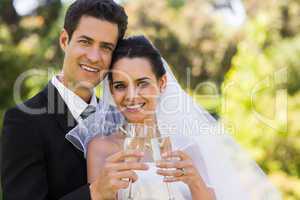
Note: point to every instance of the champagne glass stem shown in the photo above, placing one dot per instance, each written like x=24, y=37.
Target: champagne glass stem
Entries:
x=130, y=191
x=168, y=189
x=169, y=192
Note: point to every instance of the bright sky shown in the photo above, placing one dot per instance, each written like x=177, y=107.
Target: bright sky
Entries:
x=25, y=7
x=235, y=18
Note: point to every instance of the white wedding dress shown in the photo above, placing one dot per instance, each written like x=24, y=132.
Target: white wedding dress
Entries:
x=150, y=186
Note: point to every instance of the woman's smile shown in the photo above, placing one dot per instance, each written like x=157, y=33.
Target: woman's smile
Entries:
x=134, y=107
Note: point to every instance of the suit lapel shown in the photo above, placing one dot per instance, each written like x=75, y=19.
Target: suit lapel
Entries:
x=59, y=109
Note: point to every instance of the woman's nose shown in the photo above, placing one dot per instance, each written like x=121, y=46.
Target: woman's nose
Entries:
x=131, y=93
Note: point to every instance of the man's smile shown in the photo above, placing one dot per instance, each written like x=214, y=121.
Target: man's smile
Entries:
x=89, y=68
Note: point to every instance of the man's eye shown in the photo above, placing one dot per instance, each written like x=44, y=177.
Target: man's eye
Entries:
x=107, y=48
x=84, y=42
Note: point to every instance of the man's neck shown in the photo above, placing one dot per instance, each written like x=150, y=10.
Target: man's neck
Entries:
x=84, y=93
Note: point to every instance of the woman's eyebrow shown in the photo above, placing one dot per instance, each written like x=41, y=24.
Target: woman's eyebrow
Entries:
x=137, y=80
x=143, y=78
x=117, y=82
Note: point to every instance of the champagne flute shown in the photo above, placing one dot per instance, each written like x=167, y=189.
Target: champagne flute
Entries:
x=135, y=140
x=161, y=145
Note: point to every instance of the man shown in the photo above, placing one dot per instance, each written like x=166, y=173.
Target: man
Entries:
x=37, y=161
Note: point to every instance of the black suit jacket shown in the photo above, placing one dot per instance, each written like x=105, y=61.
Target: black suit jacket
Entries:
x=38, y=163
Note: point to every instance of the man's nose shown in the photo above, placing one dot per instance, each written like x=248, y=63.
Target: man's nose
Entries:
x=94, y=55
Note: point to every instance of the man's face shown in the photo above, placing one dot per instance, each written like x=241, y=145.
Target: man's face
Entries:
x=88, y=53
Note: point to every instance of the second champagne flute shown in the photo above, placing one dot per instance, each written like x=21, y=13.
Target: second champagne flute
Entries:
x=135, y=140
x=161, y=145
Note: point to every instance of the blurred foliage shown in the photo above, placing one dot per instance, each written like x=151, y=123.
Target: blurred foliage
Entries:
x=247, y=75
x=27, y=42
x=190, y=40
x=262, y=92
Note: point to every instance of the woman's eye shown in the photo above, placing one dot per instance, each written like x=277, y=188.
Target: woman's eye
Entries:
x=143, y=84
x=119, y=87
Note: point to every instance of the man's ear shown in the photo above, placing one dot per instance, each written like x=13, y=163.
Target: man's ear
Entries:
x=163, y=83
x=64, y=39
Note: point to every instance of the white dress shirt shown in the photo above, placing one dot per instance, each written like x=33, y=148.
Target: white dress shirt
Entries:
x=75, y=104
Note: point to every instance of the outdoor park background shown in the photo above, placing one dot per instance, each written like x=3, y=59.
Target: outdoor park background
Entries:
x=238, y=59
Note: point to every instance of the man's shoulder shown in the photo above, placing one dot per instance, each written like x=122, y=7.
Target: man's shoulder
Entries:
x=24, y=119
x=35, y=105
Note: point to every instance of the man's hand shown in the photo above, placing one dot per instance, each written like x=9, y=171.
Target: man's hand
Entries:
x=115, y=174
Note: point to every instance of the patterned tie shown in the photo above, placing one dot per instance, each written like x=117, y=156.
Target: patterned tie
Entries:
x=89, y=110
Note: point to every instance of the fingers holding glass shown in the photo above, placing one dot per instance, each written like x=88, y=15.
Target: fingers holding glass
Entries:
x=115, y=173
x=178, y=167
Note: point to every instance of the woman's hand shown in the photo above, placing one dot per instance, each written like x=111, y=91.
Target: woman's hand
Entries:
x=115, y=174
x=178, y=166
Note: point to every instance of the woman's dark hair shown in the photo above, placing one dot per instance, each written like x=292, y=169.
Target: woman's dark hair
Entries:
x=138, y=47
x=106, y=10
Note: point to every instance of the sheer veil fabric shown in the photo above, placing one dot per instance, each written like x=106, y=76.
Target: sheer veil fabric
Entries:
x=222, y=163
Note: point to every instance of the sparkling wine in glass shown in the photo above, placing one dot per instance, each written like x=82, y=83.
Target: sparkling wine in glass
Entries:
x=161, y=145
x=135, y=140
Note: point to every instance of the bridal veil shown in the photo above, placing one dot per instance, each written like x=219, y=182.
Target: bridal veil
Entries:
x=231, y=172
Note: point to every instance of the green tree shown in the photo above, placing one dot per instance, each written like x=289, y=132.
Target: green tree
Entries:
x=27, y=42
x=261, y=92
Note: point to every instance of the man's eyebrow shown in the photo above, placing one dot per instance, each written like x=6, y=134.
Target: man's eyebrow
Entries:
x=102, y=43
x=86, y=37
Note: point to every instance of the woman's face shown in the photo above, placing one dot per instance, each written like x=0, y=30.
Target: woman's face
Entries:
x=135, y=89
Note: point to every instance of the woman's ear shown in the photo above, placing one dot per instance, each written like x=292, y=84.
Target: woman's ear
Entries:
x=63, y=39
x=163, y=83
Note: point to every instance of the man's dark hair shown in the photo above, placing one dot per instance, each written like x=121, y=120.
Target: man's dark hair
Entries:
x=106, y=10
x=138, y=47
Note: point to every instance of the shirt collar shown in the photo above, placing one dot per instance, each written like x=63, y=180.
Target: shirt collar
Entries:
x=75, y=104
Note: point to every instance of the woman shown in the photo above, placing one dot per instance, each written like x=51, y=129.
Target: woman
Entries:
x=145, y=91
